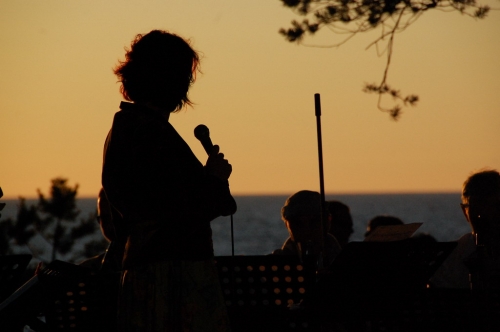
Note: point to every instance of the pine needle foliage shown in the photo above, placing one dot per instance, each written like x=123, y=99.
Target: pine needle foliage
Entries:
x=350, y=17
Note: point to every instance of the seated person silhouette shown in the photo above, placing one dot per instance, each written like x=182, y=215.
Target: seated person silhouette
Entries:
x=478, y=252
x=105, y=220
x=302, y=217
x=341, y=226
x=382, y=220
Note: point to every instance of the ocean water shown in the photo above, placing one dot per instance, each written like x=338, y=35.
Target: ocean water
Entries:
x=258, y=228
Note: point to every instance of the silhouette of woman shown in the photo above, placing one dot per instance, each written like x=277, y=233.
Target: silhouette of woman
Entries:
x=165, y=197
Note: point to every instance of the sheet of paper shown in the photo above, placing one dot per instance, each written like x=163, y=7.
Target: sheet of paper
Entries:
x=393, y=232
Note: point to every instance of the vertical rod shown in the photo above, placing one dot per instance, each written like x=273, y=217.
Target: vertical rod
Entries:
x=232, y=276
x=232, y=237
x=317, y=106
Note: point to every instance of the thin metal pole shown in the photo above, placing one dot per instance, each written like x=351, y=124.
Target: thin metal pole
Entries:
x=232, y=276
x=317, y=107
x=232, y=237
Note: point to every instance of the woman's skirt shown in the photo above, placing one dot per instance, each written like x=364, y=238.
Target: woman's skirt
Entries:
x=172, y=296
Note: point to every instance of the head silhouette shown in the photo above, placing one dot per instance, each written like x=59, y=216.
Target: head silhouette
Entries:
x=341, y=221
x=302, y=216
x=481, y=204
x=158, y=69
x=382, y=221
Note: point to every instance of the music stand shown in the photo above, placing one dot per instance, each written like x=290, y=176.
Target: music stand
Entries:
x=12, y=268
x=258, y=290
x=370, y=276
x=26, y=303
x=89, y=303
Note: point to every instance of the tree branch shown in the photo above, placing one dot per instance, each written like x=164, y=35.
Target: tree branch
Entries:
x=340, y=16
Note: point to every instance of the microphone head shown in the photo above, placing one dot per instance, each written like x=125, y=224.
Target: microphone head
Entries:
x=201, y=132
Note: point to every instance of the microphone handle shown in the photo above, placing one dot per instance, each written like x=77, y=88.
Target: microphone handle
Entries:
x=207, y=144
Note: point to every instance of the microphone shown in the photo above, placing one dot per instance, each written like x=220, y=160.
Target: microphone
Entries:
x=228, y=206
x=202, y=133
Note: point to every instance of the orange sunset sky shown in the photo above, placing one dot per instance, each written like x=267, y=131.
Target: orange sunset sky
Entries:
x=58, y=96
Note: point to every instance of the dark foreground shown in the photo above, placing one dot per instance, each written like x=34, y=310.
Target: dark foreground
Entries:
x=271, y=293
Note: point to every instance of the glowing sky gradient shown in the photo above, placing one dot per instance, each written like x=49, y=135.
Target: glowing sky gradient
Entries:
x=256, y=94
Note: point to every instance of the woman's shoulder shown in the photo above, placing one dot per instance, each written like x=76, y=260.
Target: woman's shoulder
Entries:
x=140, y=120
x=136, y=113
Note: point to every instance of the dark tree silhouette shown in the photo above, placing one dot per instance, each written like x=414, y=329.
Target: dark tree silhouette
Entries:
x=2, y=205
x=21, y=231
x=18, y=231
x=350, y=17
x=4, y=229
x=4, y=239
x=61, y=206
x=54, y=221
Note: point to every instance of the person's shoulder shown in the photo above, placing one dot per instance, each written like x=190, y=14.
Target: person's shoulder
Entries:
x=453, y=273
x=142, y=121
x=332, y=242
x=287, y=248
x=127, y=116
x=138, y=111
x=466, y=244
x=93, y=263
x=278, y=252
x=466, y=238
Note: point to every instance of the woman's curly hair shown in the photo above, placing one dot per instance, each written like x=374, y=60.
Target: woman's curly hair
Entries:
x=159, y=68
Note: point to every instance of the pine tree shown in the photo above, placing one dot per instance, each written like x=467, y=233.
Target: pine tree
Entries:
x=53, y=221
x=62, y=207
